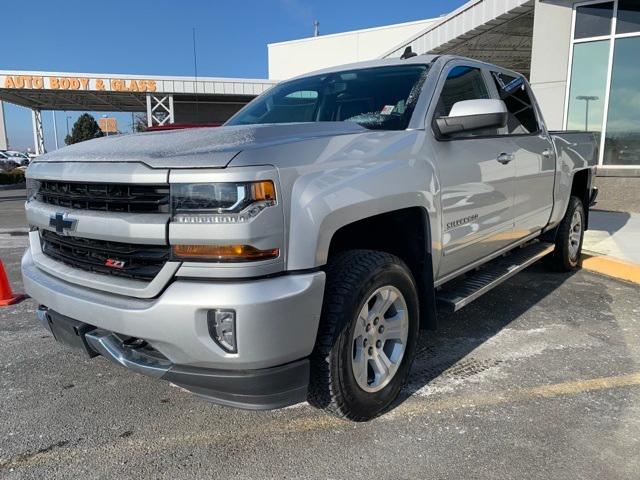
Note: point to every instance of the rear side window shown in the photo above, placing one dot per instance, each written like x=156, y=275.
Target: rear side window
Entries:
x=522, y=114
x=463, y=83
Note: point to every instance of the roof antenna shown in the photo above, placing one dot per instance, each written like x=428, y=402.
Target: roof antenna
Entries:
x=408, y=53
x=316, y=28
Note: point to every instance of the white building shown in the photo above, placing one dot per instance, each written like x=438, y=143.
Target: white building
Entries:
x=295, y=57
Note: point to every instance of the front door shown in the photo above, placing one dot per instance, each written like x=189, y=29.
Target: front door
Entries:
x=477, y=184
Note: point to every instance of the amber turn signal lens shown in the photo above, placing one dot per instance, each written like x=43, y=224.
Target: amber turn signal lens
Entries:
x=224, y=253
x=261, y=191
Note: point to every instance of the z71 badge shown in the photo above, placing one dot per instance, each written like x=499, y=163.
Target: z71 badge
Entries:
x=113, y=263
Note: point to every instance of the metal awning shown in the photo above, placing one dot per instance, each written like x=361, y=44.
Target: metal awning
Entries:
x=215, y=99
x=84, y=101
x=118, y=93
x=495, y=31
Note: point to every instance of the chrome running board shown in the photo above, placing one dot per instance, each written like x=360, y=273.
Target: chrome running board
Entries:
x=459, y=293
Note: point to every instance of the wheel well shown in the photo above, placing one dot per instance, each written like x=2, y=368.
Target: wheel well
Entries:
x=404, y=233
x=580, y=189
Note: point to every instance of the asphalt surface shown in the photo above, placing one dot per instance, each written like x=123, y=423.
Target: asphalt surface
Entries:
x=538, y=379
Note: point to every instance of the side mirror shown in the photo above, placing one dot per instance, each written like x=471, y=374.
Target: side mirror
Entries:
x=471, y=115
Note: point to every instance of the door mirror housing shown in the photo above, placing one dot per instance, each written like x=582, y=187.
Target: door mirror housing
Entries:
x=469, y=115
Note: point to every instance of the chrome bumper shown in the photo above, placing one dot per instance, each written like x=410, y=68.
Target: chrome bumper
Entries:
x=110, y=346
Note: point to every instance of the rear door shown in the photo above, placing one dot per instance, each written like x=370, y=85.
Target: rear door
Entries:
x=534, y=155
x=477, y=190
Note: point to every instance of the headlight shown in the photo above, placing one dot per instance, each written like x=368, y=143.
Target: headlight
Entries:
x=220, y=202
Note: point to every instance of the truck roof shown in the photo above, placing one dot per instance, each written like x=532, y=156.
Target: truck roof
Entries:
x=384, y=62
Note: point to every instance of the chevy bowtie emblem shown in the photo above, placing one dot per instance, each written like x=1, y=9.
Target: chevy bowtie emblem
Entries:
x=62, y=223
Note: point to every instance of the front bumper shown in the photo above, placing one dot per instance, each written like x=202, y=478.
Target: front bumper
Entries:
x=259, y=389
x=277, y=319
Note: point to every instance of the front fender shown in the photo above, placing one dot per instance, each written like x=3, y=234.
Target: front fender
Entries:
x=324, y=202
x=328, y=183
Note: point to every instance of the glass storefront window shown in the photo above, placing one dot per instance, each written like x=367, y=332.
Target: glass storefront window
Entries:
x=622, y=139
x=604, y=81
x=588, y=86
x=594, y=20
x=628, y=16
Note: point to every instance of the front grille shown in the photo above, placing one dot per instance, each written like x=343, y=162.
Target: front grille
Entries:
x=108, y=197
x=142, y=262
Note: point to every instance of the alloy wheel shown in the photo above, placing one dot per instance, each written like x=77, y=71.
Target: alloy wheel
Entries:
x=380, y=338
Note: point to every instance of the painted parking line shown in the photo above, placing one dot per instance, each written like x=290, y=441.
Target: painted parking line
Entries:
x=611, y=267
x=60, y=452
x=519, y=395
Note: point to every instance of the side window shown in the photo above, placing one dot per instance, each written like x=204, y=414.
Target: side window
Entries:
x=463, y=83
x=522, y=114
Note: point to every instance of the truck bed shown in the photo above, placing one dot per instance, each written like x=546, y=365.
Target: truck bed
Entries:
x=577, y=149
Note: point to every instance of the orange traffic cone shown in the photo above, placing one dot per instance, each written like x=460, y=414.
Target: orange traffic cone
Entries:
x=7, y=297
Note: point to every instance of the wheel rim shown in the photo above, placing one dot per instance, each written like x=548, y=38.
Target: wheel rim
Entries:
x=575, y=235
x=380, y=338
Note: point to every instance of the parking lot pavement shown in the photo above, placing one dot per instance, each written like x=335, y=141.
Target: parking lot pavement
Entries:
x=12, y=209
x=538, y=379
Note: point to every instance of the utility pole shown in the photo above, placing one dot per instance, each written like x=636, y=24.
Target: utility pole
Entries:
x=195, y=71
x=587, y=98
x=55, y=129
x=4, y=143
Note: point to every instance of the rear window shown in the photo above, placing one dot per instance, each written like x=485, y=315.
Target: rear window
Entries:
x=380, y=98
x=522, y=114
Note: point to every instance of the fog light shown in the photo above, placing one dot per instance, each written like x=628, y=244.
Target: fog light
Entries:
x=222, y=328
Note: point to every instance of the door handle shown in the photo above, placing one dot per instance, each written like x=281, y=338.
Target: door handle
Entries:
x=547, y=153
x=505, y=158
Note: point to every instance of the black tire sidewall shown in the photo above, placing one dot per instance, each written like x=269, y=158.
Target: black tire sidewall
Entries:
x=396, y=275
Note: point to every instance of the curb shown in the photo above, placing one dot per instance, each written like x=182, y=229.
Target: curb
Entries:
x=611, y=267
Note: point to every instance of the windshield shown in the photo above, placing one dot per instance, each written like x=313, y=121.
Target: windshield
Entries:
x=379, y=98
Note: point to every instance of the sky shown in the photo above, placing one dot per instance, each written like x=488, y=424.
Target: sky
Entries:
x=146, y=37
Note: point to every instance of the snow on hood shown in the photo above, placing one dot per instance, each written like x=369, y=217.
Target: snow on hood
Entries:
x=198, y=147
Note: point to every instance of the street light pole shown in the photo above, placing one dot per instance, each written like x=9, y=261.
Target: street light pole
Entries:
x=587, y=98
x=55, y=128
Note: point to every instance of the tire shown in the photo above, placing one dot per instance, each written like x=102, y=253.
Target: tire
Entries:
x=346, y=346
x=569, y=237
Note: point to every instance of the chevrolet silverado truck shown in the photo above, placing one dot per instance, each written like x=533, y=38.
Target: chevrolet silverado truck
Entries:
x=297, y=252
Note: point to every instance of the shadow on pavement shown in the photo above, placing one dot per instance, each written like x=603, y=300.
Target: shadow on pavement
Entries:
x=607, y=221
x=462, y=332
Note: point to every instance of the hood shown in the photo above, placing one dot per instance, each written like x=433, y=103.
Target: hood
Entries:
x=198, y=147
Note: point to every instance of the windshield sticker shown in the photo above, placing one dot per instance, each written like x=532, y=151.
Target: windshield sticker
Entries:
x=387, y=110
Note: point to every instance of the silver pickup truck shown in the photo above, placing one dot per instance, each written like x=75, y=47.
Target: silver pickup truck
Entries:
x=296, y=252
